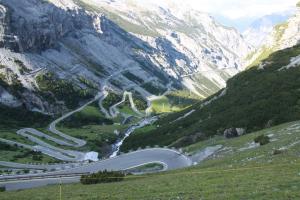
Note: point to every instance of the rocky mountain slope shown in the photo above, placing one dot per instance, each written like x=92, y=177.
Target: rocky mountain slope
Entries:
x=284, y=35
x=261, y=28
x=55, y=54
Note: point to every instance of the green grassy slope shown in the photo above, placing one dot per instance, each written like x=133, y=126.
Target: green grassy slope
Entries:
x=90, y=115
x=91, y=125
x=253, y=100
x=233, y=173
x=12, y=119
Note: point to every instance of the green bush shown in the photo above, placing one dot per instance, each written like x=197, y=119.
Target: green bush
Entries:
x=111, y=99
x=262, y=140
x=2, y=189
x=277, y=151
x=140, y=103
x=7, y=147
x=102, y=177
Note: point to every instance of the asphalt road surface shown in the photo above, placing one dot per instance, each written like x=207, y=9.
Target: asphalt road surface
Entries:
x=171, y=159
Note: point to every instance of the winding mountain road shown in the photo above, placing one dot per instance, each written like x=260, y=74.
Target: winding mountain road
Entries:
x=66, y=140
x=114, y=110
x=171, y=160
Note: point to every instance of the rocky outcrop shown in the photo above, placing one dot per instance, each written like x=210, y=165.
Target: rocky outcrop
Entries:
x=81, y=40
x=8, y=99
x=40, y=27
x=234, y=132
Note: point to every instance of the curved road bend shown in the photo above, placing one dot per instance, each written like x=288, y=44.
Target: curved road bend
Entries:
x=114, y=110
x=78, y=142
x=170, y=158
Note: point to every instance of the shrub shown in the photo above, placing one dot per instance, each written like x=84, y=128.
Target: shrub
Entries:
x=111, y=99
x=102, y=177
x=262, y=140
x=277, y=151
x=37, y=157
x=2, y=189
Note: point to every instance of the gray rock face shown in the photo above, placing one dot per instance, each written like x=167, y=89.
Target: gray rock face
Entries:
x=64, y=38
x=42, y=26
x=234, y=132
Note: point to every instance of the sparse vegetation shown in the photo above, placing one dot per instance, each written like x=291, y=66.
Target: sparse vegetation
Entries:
x=12, y=84
x=133, y=77
x=111, y=99
x=22, y=68
x=266, y=51
x=116, y=83
x=102, y=177
x=62, y=90
x=153, y=89
x=87, y=82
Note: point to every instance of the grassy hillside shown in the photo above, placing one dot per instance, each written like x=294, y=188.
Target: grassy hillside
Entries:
x=253, y=100
x=235, y=172
x=12, y=119
x=90, y=115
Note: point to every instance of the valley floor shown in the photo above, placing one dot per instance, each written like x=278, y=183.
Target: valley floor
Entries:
x=239, y=170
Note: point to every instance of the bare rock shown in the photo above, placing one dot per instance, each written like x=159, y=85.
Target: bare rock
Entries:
x=234, y=132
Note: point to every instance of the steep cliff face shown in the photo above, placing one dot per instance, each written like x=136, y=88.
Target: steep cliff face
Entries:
x=39, y=25
x=84, y=43
x=200, y=51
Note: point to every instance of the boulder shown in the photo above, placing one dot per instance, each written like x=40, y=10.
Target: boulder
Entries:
x=234, y=132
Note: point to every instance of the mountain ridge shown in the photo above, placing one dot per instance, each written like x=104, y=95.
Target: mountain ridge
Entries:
x=74, y=46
